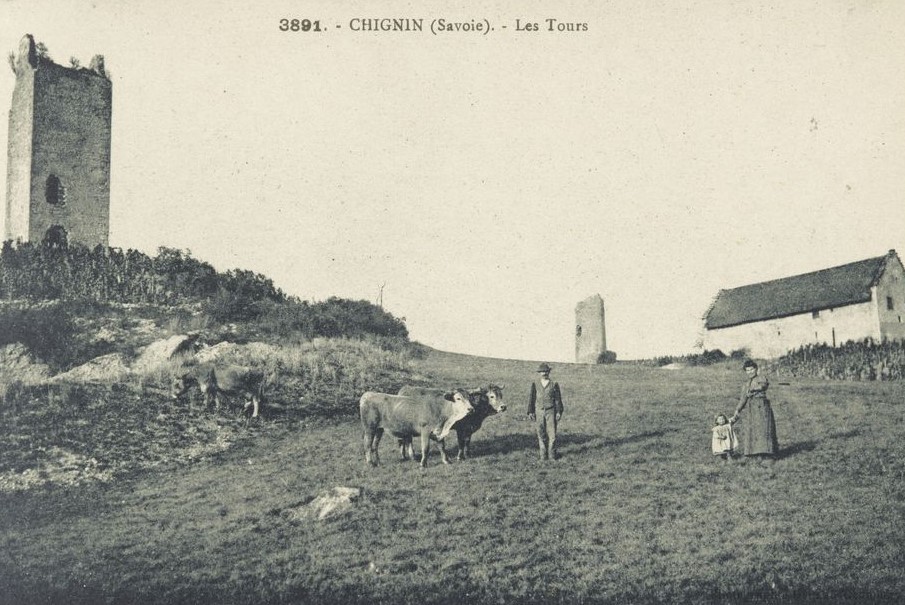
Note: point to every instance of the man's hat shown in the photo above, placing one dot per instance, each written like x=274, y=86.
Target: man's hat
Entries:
x=543, y=368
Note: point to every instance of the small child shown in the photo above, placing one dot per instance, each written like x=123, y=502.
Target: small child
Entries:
x=724, y=439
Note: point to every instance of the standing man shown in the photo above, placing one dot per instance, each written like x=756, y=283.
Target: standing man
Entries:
x=545, y=409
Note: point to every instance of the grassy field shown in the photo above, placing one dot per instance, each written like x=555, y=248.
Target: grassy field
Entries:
x=637, y=510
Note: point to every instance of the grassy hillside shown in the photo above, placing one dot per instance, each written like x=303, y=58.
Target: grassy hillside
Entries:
x=118, y=422
x=636, y=511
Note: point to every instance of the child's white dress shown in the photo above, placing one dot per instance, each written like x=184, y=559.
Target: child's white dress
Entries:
x=724, y=440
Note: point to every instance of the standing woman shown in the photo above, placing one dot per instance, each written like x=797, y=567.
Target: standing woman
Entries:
x=757, y=436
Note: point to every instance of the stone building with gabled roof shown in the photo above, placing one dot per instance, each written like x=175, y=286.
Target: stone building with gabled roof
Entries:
x=863, y=299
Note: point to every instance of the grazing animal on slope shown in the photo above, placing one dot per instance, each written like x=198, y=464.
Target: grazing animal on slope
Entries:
x=224, y=381
x=405, y=417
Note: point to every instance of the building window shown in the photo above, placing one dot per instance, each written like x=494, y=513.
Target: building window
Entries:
x=578, y=331
x=56, y=237
x=815, y=314
x=889, y=303
x=54, y=191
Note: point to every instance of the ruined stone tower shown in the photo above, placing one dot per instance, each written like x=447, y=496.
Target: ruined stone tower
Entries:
x=58, y=171
x=590, y=330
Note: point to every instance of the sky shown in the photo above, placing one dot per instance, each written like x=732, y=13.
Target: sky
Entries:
x=487, y=183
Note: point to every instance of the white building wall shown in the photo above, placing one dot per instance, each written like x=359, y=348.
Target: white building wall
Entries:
x=775, y=337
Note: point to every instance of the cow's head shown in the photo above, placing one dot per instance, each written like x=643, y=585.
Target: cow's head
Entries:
x=181, y=385
x=494, y=394
x=489, y=398
x=463, y=397
x=459, y=406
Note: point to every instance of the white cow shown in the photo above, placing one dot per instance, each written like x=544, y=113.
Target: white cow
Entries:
x=428, y=417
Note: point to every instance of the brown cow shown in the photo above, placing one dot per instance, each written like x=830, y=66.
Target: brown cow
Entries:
x=217, y=382
x=429, y=417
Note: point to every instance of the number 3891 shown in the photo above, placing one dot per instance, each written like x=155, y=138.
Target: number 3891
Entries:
x=299, y=25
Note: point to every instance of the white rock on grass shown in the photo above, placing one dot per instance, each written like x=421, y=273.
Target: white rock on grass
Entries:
x=329, y=504
x=215, y=352
x=674, y=366
x=236, y=353
x=16, y=361
x=162, y=351
x=103, y=368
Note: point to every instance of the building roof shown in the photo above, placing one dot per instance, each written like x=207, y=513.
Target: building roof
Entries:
x=825, y=289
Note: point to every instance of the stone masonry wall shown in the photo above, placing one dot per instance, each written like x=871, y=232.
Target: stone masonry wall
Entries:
x=18, y=173
x=72, y=123
x=890, y=291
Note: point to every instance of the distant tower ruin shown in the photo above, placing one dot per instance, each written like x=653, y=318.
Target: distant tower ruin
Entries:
x=58, y=171
x=590, y=330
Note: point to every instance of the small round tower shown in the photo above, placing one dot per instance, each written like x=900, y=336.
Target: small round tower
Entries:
x=590, y=330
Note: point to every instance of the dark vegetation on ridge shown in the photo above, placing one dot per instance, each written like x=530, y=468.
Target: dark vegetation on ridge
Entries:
x=48, y=291
x=862, y=360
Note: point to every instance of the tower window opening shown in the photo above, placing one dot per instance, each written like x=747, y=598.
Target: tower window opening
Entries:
x=54, y=191
x=889, y=303
x=56, y=237
x=577, y=330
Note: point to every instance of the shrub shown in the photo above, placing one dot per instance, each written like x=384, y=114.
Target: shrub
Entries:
x=853, y=360
x=175, y=279
x=48, y=331
x=229, y=307
x=708, y=358
x=52, y=332
x=697, y=359
x=607, y=357
x=109, y=274
x=334, y=317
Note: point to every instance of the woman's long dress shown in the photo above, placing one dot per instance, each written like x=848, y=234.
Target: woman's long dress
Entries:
x=757, y=430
